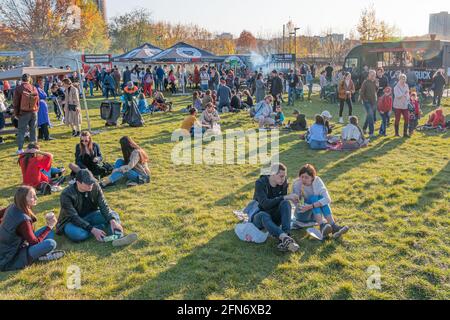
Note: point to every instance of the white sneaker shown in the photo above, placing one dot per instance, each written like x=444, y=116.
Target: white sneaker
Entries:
x=341, y=120
x=19, y=152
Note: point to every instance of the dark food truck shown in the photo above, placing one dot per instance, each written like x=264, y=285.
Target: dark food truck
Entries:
x=423, y=57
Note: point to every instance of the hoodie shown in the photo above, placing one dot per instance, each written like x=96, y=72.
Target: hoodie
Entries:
x=437, y=118
x=269, y=198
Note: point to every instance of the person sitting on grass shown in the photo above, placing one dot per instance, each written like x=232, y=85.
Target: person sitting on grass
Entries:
x=196, y=100
x=247, y=102
x=85, y=212
x=353, y=136
x=263, y=112
x=37, y=171
x=326, y=115
x=437, y=119
x=317, y=136
x=160, y=103
x=210, y=117
x=299, y=123
x=271, y=193
x=191, y=122
x=143, y=105
x=279, y=117
x=20, y=246
x=236, y=103
x=207, y=98
x=317, y=200
x=133, y=165
x=88, y=156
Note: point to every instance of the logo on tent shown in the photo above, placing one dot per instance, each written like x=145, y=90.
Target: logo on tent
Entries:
x=188, y=52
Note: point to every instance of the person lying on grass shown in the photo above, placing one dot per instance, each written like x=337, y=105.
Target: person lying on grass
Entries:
x=20, y=246
x=133, y=165
x=275, y=207
x=313, y=191
x=85, y=213
x=37, y=171
x=88, y=156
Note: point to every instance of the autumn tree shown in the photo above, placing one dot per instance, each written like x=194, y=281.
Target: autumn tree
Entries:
x=51, y=27
x=371, y=29
x=246, y=42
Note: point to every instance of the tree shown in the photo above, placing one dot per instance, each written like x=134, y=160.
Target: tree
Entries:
x=47, y=27
x=371, y=29
x=246, y=42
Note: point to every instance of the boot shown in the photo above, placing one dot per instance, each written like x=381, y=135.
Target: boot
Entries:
x=397, y=130
x=405, y=131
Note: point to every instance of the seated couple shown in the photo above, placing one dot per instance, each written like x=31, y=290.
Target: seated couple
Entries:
x=37, y=170
x=209, y=121
x=274, y=212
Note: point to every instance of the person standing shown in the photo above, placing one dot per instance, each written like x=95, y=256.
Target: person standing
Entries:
x=346, y=91
x=43, y=117
x=401, y=100
x=116, y=77
x=260, y=89
x=72, y=108
x=439, y=83
x=292, y=86
x=26, y=106
x=368, y=95
x=276, y=88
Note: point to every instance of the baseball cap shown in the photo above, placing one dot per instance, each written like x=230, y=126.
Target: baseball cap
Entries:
x=326, y=114
x=248, y=232
x=85, y=176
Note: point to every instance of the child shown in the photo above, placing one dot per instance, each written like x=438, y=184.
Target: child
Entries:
x=385, y=108
x=279, y=117
x=300, y=122
x=414, y=113
x=437, y=119
x=143, y=105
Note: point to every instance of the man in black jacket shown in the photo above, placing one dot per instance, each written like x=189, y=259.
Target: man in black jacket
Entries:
x=276, y=88
x=85, y=212
x=275, y=207
x=293, y=80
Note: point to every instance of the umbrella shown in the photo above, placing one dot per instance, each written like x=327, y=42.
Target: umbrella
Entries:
x=17, y=73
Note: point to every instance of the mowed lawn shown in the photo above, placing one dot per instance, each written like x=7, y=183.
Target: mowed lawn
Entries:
x=394, y=195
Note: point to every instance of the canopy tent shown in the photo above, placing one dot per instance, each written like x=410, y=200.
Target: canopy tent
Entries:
x=141, y=53
x=15, y=74
x=184, y=53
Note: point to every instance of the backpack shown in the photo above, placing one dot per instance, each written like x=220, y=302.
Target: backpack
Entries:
x=29, y=101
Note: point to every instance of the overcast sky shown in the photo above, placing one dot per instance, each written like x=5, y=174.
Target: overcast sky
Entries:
x=268, y=16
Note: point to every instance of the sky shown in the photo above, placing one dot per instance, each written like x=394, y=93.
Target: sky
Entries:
x=265, y=17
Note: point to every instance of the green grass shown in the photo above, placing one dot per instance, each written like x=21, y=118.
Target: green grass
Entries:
x=394, y=195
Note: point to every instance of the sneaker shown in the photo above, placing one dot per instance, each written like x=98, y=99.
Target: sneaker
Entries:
x=73, y=133
x=52, y=256
x=125, y=241
x=19, y=152
x=288, y=244
x=326, y=230
x=341, y=120
x=131, y=184
x=339, y=231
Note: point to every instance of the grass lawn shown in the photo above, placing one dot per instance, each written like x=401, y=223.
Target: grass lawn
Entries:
x=394, y=195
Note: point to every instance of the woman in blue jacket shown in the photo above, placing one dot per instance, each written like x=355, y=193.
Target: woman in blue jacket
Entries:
x=318, y=135
x=43, y=118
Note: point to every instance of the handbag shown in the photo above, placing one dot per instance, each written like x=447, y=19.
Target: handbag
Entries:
x=72, y=107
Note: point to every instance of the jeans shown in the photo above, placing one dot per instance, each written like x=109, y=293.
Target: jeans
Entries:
x=41, y=249
x=204, y=87
x=307, y=216
x=291, y=96
x=96, y=219
x=108, y=90
x=369, y=123
x=384, y=123
x=224, y=104
x=350, y=107
x=132, y=175
x=310, y=87
x=51, y=173
x=26, y=120
x=272, y=222
x=91, y=88
x=318, y=145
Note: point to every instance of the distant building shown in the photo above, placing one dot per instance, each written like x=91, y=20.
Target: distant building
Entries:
x=334, y=37
x=440, y=24
x=225, y=36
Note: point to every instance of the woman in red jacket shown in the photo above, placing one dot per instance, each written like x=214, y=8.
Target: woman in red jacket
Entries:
x=20, y=246
x=37, y=168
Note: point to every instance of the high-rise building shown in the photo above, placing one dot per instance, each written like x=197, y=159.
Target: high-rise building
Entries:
x=440, y=24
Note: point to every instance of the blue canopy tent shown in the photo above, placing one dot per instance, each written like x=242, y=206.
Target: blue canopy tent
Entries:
x=184, y=53
x=141, y=53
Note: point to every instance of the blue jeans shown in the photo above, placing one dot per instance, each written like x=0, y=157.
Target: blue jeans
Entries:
x=91, y=88
x=132, y=175
x=96, y=219
x=291, y=95
x=318, y=145
x=370, y=122
x=384, y=123
x=204, y=87
x=308, y=216
x=51, y=173
x=282, y=216
x=41, y=249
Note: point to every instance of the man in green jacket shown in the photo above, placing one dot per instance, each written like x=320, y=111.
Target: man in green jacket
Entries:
x=85, y=212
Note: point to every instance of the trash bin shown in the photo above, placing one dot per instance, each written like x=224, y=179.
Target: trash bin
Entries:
x=110, y=111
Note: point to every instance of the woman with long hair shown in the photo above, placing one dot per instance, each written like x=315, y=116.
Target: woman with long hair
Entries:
x=133, y=165
x=72, y=107
x=20, y=245
x=88, y=156
x=318, y=134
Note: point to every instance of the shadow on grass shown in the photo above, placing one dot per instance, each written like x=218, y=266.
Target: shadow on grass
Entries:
x=212, y=269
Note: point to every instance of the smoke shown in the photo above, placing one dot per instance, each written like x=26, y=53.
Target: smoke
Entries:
x=258, y=61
